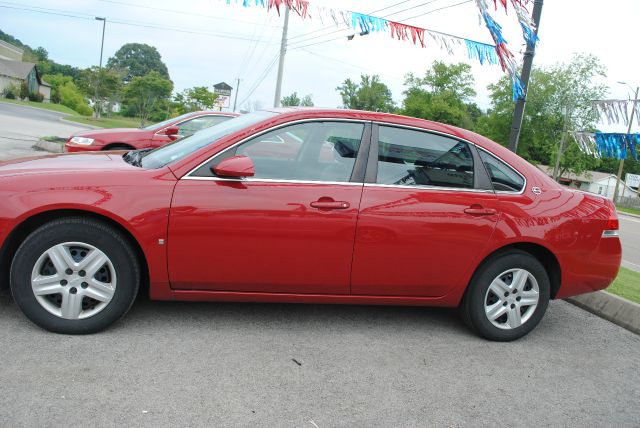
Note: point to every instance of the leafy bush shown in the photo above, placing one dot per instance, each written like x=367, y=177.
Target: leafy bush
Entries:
x=72, y=98
x=11, y=92
x=24, y=91
x=36, y=96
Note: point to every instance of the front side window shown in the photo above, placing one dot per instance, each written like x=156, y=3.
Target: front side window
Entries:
x=415, y=158
x=194, y=125
x=503, y=177
x=310, y=151
x=183, y=147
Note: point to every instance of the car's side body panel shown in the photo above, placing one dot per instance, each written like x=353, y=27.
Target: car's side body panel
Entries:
x=142, y=210
x=261, y=236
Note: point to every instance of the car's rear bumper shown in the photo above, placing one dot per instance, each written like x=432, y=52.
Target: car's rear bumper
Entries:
x=596, y=272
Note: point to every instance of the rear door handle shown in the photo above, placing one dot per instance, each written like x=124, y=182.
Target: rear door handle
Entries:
x=330, y=205
x=479, y=210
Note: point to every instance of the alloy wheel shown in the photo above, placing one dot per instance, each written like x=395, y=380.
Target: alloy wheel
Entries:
x=511, y=299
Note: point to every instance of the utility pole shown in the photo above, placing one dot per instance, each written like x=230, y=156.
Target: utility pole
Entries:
x=621, y=167
x=235, y=98
x=556, y=169
x=518, y=112
x=283, y=51
x=97, y=104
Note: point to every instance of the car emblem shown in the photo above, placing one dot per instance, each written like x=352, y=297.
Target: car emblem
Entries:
x=536, y=190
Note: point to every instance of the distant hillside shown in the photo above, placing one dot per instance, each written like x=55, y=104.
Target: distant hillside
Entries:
x=40, y=56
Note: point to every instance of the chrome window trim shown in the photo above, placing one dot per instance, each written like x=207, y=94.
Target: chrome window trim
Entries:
x=270, y=180
x=187, y=176
x=423, y=187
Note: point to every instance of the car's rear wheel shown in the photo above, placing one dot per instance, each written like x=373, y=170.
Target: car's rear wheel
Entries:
x=507, y=296
x=75, y=276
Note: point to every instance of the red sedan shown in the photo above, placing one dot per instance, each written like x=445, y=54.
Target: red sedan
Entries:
x=152, y=136
x=300, y=205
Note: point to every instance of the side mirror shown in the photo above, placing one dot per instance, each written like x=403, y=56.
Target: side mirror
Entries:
x=172, y=130
x=234, y=167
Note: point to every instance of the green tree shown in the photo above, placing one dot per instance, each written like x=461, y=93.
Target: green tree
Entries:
x=100, y=85
x=553, y=91
x=194, y=99
x=294, y=101
x=370, y=94
x=442, y=95
x=137, y=60
x=144, y=92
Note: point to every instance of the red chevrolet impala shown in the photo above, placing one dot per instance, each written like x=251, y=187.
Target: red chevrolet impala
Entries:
x=302, y=205
x=152, y=136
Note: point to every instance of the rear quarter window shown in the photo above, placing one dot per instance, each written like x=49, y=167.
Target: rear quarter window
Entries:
x=503, y=177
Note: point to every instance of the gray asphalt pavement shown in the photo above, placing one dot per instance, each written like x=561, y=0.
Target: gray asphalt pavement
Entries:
x=630, y=238
x=21, y=127
x=223, y=364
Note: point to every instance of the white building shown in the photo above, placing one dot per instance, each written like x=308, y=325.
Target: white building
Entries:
x=601, y=183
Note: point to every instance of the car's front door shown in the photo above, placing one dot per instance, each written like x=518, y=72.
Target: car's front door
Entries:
x=288, y=229
x=427, y=212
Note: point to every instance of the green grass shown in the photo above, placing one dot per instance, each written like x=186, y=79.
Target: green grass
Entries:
x=627, y=285
x=628, y=210
x=45, y=106
x=108, y=122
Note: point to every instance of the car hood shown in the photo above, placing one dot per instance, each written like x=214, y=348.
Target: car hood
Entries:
x=109, y=131
x=64, y=163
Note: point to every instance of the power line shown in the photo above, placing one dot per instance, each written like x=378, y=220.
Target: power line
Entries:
x=180, y=12
x=260, y=79
x=385, y=16
x=131, y=23
x=400, y=21
x=328, y=27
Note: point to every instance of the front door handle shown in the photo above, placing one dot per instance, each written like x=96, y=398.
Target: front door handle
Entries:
x=330, y=204
x=476, y=209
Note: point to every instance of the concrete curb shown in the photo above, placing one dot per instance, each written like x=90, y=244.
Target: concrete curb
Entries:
x=619, y=311
x=49, y=146
x=622, y=213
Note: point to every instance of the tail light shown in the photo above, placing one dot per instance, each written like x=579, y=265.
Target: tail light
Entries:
x=612, y=225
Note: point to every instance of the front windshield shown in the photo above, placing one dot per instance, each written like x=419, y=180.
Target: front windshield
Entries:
x=159, y=125
x=184, y=147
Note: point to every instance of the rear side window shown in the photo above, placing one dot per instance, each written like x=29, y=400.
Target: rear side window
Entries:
x=503, y=177
x=414, y=158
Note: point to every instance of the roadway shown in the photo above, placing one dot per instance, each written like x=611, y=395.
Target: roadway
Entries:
x=630, y=238
x=21, y=127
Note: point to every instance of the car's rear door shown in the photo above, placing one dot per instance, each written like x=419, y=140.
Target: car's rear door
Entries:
x=427, y=213
x=288, y=229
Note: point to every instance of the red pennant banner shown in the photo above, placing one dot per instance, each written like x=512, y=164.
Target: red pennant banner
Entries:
x=406, y=32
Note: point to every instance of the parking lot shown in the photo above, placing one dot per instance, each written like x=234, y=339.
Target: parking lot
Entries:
x=191, y=364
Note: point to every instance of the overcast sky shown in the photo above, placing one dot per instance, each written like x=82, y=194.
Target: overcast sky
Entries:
x=215, y=41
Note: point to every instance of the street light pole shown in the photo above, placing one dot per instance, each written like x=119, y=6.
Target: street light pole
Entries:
x=283, y=51
x=621, y=167
x=97, y=104
x=104, y=23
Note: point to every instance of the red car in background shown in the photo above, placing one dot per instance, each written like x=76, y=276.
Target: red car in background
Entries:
x=152, y=136
x=302, y=205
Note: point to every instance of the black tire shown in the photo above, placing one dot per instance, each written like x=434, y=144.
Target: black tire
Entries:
x=83, y=230
x=118, y=147
x=472, y=307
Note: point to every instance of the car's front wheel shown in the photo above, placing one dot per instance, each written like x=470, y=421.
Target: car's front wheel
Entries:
x=75, y=276
x=507, y=296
